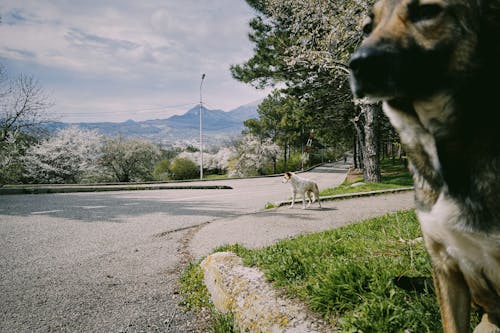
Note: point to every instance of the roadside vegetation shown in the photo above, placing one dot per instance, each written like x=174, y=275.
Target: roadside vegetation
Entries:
x=352, y=276
x=196, y=299
x=394, y=174
x=347, y=274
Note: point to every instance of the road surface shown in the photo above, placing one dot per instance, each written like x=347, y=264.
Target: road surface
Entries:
x=109, y=261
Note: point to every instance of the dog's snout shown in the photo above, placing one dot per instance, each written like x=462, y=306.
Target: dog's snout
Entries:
x=369, y=61
x=371, y=71
x=357, y=60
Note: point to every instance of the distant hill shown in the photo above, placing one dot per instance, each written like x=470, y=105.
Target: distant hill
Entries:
x=213, y=120
x=245, y=112
x=217, y=126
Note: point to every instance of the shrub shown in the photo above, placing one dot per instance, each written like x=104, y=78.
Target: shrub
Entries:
x=161, y=170
x=183, y=168
x=294, y=163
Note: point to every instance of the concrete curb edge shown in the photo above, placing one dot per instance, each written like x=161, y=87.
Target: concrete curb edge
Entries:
x=105, y=188
x=351, y=195
x=254, y=303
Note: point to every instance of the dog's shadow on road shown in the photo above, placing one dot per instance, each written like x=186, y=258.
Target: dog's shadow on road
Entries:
x=296, y=213
x=323, y=209
x=317, y=209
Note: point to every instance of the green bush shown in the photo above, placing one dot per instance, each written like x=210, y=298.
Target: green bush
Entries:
x=293, y=163
x=161, y=170
x=183, y=168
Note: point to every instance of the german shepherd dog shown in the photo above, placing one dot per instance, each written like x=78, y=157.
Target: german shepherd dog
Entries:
x=435, y=64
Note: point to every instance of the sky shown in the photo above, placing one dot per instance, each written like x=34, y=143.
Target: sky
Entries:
x=114, y=60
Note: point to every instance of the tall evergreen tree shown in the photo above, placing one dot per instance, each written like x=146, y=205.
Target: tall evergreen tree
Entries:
x=304, y=46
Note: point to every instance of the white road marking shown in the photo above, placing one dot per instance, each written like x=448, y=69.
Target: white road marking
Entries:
x=46, y=212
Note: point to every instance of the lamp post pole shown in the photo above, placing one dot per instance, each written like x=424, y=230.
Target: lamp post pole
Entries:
x=201, y=130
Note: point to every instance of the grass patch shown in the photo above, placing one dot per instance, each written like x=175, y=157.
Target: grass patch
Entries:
x=215, y=177
x=195, y=294
x=196, y=298
x=346, y=274
x=270, y=205
x=393, y=175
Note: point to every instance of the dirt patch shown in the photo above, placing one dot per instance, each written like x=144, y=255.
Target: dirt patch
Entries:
x=354, y=176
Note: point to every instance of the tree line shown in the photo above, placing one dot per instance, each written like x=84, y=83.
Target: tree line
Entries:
x=29, y=154
x=302, y=48
x=76, y=155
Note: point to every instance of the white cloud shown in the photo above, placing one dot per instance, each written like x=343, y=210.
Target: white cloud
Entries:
x=105, y=55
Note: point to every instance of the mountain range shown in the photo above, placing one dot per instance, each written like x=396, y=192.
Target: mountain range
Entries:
x=218, y=125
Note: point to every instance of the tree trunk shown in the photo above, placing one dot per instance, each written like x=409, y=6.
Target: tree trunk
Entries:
x=285, y=157
x=359, y=143
x=355, y=153
x=361, y=149
x=371, y=171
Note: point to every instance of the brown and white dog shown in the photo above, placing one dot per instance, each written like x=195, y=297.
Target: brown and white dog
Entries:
x=303, y=187
x=435, y=64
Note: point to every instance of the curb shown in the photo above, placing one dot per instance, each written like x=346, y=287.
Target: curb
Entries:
x=253, y=302
x=105, y=187
x=351, y=195
x=72, y=189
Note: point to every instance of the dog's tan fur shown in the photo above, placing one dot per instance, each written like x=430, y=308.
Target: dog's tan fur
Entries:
x=434, y=63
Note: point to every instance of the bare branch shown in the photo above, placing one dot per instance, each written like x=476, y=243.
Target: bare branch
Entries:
x=23, y=104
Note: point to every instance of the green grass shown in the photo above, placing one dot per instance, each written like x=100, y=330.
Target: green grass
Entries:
x=196, y=298
x=192, y=288
x=270, y=205
x=212, y=177
x=393, y=175
x=346, y=274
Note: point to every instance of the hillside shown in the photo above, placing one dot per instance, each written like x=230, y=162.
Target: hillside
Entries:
x=218, y=125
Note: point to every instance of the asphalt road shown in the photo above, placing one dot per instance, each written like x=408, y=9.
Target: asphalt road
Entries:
x=109, y=261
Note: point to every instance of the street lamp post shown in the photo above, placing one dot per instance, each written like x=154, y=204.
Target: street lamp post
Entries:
x=201, y=130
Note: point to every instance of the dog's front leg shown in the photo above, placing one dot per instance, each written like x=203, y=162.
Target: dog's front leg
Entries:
x=451, y=289
x=454, y=300
x=293, y=199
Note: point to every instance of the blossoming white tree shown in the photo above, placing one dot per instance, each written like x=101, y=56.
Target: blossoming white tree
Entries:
x=216, y=162
x=220, y=160
x=69, y=156
x=11, y=149
x=254, y=155
x=130, y=160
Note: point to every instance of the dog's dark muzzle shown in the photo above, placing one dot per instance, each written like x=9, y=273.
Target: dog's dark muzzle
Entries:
x=387, y=70
x=375, y=72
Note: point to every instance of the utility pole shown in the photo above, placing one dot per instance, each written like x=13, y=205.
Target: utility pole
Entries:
x=201, y=130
